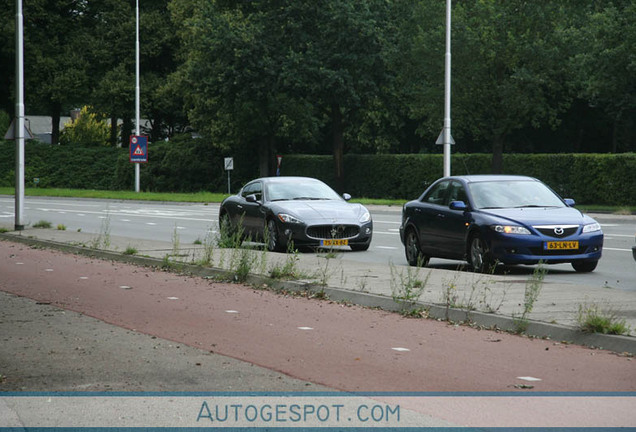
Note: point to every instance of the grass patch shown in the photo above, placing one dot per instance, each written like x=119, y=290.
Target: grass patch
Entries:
x=130, y=251
x=42, y=224
x=594, y=319
x=61, y=227
x=201, y=197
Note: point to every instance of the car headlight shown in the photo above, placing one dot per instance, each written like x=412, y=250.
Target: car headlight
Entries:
x=510, y=229
x=591, y=227
x=366, y=217
x=284, y=217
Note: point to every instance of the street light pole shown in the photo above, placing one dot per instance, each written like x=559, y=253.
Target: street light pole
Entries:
x=19, y=113
x=137, y=90
x=445, y=138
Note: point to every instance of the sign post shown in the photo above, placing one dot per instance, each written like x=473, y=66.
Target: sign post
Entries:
x=279, y=160
x=229, y=166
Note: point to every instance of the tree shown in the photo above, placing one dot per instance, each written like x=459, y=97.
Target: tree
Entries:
x=509, y=69
x=88, y=130
x=607, y=65
x=56, y=75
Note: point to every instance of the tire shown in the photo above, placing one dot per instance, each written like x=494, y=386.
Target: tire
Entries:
x=273, y=238
x=480, y=256
x=414, y=255
x=584, y=266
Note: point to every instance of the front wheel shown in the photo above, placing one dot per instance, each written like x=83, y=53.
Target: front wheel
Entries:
x=414, y=255
x=273, y=238
x=480, y=256
x=584, y=266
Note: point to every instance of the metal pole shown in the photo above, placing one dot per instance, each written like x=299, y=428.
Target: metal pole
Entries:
x=137, y=91
x=447, y=97
x=19, y=124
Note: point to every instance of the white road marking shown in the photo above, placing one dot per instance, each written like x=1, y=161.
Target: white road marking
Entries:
x=232, y=311
x=305, y=328
x=399, y=349
x=386, y=247
x=529, y=378
x=616, y=249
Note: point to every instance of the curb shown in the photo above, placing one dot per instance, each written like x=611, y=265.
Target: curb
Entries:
x=537, y=329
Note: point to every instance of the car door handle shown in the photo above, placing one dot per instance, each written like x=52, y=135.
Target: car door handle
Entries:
x=239, y=206
x=441, y=215
x=418, y=210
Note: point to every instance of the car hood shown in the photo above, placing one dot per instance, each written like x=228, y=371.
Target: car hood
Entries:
x=541, y=216
x=321, y=212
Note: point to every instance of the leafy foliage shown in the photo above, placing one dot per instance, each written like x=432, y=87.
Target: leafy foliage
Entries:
x=89, y=130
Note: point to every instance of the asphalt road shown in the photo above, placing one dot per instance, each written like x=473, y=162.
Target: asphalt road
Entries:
x=189, y=222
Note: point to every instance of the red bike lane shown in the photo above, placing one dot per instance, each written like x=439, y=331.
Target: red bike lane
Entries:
x=340, y=346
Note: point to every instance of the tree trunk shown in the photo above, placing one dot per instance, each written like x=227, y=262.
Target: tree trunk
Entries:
x=113, y=131
x=497, y=154
x=338, y=147
x=264, y=157
x=55, y=123
x=126, y=131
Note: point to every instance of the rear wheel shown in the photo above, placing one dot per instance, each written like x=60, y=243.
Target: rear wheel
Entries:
x=584, y=266
x=414, y=255
x=480, y=256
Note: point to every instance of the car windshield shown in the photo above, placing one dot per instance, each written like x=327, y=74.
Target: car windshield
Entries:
x=300, y=190
x=512, y=194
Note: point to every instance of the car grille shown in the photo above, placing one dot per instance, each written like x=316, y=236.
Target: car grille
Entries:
x=557, y=231
x=333, y=231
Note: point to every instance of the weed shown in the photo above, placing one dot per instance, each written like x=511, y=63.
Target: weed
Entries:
x=208, y=249
x=176, y=242
x=289, y=270
x=407, y=289
x=61, y=227
x=42, y=224
x=244, y=265
x=197, y=242
x=130, y=251
x=594, y=319
x=103, y=238
x=230, y=236
x=531, y=294
x=3, y=230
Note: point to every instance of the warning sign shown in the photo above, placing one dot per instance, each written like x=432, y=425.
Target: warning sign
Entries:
x=138, y=149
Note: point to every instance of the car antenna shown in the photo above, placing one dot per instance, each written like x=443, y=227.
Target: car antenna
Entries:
x=465, y=166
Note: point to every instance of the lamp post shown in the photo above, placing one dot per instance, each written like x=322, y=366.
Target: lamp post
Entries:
x=137, y=91
x=445, y=138
x=19, y=116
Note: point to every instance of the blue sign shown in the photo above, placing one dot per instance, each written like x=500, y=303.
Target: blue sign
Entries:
x=138, y=149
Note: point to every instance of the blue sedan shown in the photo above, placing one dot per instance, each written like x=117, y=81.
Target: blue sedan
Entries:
x=491, y=219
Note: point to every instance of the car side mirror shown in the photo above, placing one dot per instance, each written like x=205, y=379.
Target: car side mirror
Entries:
x=569, y=202
x=346, y=196
x=458, y=205
x=251, y=198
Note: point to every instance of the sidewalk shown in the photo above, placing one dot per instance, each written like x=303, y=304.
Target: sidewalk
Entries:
x=481, y=300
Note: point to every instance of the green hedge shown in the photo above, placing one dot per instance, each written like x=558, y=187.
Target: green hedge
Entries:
x=605, y=179
x=189, y=165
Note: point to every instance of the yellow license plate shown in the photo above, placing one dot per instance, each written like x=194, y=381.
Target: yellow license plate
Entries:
x=561, y=245
x=334, y=242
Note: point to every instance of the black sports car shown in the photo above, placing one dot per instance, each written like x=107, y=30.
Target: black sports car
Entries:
x=277, y=210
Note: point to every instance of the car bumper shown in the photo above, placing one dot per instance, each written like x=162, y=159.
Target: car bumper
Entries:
x=634, y=252
x=299, y=234
x=531, y=249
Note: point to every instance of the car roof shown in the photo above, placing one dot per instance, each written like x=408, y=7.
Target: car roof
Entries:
x=284, y=179
x=492, y=177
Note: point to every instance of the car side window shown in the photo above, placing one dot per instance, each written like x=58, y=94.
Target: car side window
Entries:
x=457, y=193
x=253, y=189
x=437, y=195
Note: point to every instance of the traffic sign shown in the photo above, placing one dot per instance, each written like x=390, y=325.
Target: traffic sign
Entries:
x=138, y=149
x=229, y=164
